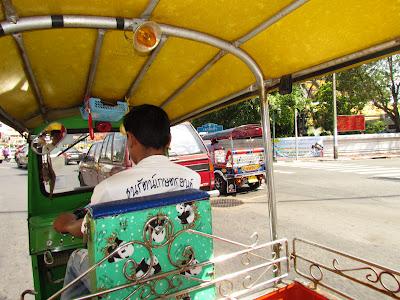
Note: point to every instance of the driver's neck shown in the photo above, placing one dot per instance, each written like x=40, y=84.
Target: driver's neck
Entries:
x=146, y=152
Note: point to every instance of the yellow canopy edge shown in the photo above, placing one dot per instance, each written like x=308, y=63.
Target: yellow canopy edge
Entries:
x=313, y=34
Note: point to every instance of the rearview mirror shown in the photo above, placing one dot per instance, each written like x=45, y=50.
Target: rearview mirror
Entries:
x=48, y=138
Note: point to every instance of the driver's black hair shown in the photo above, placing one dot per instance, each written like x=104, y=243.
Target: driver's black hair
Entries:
x=149, y=124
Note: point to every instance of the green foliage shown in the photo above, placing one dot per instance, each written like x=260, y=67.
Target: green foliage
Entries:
x=378, y=83
x=282, y=110
x=377, y=126
x=245, y=112
x=322, y=109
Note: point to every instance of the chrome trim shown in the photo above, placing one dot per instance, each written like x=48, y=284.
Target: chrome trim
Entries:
x=9, y=11
x=271, y=21
x=58, y=293
x=145, y=283
x=146, y=14
x=69, y=21
x=27, y=23
x=95, y=61
x=74, y=21
x=139, y=77
x=29, y=74
x=269, y=172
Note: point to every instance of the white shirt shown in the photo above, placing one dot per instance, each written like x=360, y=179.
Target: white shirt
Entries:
x=153, y=175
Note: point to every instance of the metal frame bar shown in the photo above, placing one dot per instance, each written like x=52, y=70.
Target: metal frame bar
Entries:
x=52, y=113
x=342, y=62
x=30, y=75
x=192, y=79
x=20, y=126
x=330, y=66
x=192, y=35
x=139, y=77
x=269, y=22
x=251, y=89
x=9, y=11
x=248, y=250
x=32, y=23
x=373, y=272
x=11, y=16
x=218, y=43
x=95, y=61
x=146, y=14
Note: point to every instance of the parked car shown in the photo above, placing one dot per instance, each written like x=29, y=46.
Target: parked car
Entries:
x=72, y=155
x=111, y=156
x=21, y=157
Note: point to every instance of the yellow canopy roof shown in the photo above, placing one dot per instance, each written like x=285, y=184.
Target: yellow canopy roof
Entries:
x=300, y=38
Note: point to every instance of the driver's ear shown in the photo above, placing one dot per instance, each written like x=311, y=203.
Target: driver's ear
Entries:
x=169, y=142
x=129, y=138
x=166, y=150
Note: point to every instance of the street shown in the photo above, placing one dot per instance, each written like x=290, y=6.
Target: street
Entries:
x=349, y=205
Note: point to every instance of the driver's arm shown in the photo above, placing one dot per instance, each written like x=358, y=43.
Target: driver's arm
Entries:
x=68, y=223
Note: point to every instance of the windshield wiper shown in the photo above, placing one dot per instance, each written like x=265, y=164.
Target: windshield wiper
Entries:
x=80, y=139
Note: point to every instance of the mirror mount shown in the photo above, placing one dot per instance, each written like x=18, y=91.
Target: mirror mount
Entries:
x=48, y=139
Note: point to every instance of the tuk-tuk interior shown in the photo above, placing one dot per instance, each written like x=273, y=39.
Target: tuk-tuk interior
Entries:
x=192, y=58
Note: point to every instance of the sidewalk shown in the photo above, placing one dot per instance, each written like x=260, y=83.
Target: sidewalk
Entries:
x=342, y=157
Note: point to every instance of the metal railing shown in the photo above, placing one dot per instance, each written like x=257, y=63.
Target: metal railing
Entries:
x=367, y=274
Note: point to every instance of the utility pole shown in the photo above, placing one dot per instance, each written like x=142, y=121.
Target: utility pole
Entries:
x=296, y=133
x=273, y=136
x=335, y=132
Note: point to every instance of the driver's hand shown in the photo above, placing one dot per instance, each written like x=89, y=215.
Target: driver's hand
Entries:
x=62, y=222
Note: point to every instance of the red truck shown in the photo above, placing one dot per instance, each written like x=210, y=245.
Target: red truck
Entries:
x=110, y=156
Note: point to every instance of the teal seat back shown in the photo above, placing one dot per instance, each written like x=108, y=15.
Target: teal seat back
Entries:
x=155, y=230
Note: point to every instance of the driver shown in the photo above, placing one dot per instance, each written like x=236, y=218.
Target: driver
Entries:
x=148, y=139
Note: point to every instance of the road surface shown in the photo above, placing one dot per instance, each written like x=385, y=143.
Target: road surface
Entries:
x=349, y=205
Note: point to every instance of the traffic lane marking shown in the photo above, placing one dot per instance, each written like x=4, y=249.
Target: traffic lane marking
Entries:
x=283, y=172
x=380, y=171
x=395, y=175
x=245, y=199
x=316, y=166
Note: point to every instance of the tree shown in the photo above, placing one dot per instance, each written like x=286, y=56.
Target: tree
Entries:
x=346, y=102
x=282, y=111
x=245, y=112
x=378, y=83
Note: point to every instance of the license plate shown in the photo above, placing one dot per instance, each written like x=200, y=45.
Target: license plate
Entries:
x=250, y=168
x=252, y=179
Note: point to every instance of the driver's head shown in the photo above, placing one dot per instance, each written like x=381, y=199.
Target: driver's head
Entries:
x=148, y=131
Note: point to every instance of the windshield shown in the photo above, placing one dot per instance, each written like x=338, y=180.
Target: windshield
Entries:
x=76, y=165
x=185, y=141
x=65, y=162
